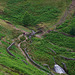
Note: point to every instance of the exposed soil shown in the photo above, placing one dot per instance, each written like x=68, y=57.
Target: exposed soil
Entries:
x=19, y=46
x=0, y=42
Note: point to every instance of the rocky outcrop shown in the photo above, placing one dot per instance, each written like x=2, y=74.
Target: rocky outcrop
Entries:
x=58, y=69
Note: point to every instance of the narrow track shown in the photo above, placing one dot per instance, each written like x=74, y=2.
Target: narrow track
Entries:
x=63, y=18
x=67, y=12
x=27, y=57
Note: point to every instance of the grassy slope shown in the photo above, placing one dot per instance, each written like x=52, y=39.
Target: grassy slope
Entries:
x=66, y=27
x=64, y=44
x=48, y=11
x=11, y=65
x=61, y=40
x=38, y=51
x=61, y=44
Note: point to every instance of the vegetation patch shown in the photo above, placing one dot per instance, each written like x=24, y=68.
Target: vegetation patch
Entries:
x=38, y=11
x=68, y=26
x=40, y=51
x=61, y=40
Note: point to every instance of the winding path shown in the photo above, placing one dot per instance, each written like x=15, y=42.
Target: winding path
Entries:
x=67, y=12
x=19, y=46
x=27, y=56
x=63, y=18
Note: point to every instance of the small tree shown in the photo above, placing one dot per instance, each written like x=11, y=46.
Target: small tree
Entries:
x=26, y=19
x=72, y=31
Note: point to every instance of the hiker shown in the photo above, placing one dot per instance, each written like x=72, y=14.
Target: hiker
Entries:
x=24, y=34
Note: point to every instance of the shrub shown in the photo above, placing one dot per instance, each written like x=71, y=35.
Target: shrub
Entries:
x=72, y=31
x=27, y=19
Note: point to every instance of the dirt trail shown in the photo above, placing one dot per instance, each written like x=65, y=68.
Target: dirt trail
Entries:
x=63, y=18
x=19, y=46
x=67, y=12
x=20, y=36
x=0, y=42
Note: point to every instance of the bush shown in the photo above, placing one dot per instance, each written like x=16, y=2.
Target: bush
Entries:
x=72, y=31
x=28, y=19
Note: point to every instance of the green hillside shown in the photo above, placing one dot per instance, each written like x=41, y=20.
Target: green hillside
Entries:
x=11, y=65
x=53, y=20
x=38, y=11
